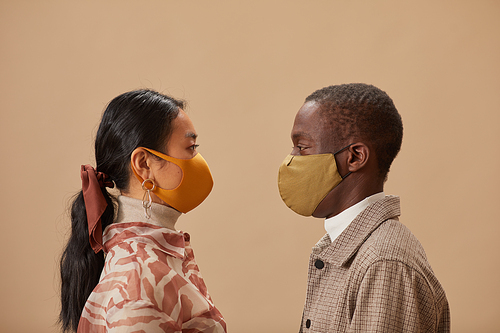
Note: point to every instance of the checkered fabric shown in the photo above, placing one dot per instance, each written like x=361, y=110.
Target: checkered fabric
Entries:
x=374, y=277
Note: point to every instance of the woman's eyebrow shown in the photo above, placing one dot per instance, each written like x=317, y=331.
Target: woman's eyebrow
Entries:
x=191, y=135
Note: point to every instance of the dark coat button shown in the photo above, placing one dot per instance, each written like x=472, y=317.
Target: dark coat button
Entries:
x=308, y=323
x=319, y=264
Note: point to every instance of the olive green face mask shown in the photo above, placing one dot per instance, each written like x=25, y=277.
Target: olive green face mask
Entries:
x=304, y=181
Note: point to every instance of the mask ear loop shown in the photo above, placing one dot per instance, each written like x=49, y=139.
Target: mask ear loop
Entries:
x=347, y=174
x=338, y=151
x=147, y=201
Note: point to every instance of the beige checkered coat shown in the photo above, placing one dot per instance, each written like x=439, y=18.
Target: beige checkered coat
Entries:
x=374, y=277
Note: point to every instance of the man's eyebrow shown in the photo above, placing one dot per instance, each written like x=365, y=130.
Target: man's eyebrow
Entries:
x=191, y=135
x=297, y=135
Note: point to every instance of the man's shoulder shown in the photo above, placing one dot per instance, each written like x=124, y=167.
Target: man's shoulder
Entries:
x=393, y=241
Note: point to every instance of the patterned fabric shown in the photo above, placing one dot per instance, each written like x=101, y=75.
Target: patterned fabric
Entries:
x=150, y=283
x=374, y=277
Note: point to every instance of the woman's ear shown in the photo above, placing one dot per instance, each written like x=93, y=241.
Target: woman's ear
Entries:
x=359, y=153
x=141, y=162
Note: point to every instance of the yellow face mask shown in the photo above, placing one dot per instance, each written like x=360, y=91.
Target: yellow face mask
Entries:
x=195, y=186
x=304, y=181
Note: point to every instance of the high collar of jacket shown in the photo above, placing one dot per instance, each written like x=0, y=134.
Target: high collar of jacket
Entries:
x=340, y=251
x=131, y=225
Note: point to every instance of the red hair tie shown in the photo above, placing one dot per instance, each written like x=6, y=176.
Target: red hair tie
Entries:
x=95, y=203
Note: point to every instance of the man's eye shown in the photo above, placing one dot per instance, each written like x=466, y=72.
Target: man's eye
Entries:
x=193, y=147
x=301, y=148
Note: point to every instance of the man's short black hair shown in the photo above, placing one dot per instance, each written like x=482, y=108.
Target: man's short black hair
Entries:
x=361, y=111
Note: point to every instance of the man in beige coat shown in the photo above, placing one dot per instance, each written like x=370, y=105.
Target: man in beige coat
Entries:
x=368, y=273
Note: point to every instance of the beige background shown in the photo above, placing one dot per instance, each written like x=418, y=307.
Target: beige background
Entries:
x=245, y=68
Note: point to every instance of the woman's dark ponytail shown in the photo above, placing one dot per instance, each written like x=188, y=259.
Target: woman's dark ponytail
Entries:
x=80, y=265
x=140, y=118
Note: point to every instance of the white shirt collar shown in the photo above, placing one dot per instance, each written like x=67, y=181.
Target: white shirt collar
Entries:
x=335, y=225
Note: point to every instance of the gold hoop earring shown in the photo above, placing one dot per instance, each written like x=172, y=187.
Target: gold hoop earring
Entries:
x=147, y=202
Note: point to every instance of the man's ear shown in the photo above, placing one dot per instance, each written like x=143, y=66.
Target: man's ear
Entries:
x=359, y=153
x=141, y=162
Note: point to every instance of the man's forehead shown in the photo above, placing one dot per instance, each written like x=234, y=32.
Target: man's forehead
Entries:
x=308, y=120
x=308, y=110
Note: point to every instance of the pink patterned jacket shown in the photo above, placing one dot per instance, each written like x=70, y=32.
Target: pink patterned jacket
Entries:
x=150, y=283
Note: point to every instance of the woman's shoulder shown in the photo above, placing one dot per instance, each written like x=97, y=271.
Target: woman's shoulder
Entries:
x=133, y=236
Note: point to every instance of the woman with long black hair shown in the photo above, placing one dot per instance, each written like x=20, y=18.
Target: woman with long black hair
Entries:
x=125, y=268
